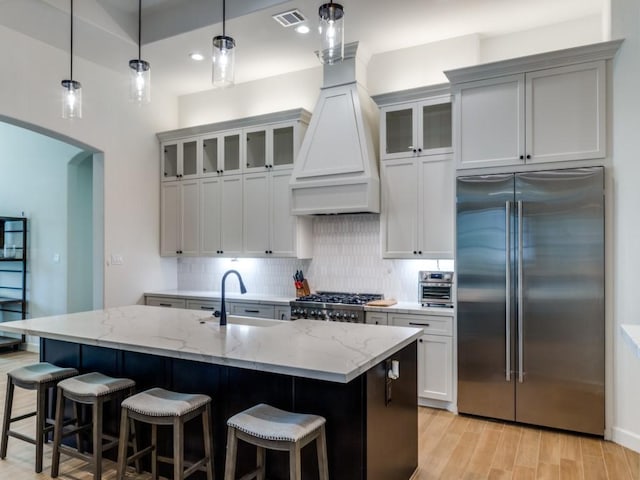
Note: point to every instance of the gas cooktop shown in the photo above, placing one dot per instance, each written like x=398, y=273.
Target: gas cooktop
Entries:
x=333, y=306
x=339, y=297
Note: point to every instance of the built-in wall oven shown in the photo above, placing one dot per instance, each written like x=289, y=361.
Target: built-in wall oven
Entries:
x=435, y=289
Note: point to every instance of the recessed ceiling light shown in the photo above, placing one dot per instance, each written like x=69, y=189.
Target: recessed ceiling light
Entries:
x=302, y=29
x=198, y=57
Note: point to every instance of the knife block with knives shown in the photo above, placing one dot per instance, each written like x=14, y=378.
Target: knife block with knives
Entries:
x=301, y=284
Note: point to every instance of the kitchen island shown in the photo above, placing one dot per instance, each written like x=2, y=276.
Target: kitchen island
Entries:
x=337, y=370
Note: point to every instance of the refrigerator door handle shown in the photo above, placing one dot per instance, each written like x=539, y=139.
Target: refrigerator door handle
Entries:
x=507, y=313
x=520, y=299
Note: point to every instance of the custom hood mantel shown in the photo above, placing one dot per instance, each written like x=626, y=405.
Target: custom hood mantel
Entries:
x=336, y=170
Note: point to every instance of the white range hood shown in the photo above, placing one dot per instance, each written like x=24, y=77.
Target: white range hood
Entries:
x=336, y=170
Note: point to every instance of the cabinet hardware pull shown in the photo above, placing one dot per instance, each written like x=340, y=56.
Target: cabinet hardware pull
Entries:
x=419, y=252
x=415, y=253
x=420, y=340
x=164, y=304
x=418, y=324
x=251, y=311
x=202, y=307
x=528, y=156
x=521, y=157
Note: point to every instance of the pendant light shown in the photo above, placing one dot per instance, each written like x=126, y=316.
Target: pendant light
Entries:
x=331, y=30
x=223, y=56
x=71, y=89
x=140, y=71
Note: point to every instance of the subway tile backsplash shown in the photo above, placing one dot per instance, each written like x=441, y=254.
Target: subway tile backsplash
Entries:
x=346, y=258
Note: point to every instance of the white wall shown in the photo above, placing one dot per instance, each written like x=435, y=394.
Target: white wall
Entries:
x=626, y=145
x=29, y=92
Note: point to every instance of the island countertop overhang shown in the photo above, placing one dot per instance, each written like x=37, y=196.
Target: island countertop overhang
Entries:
x=331, y=351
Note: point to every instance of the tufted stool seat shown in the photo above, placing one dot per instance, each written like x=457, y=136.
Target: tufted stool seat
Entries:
x=268, y=427
x=94, y=389
x=40, y=377
x=157, y=406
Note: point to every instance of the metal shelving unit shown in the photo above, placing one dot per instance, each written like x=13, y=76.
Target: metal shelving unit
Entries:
x=13, y=275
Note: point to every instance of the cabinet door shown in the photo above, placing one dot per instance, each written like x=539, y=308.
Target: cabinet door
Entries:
x=230, y=152
x=283, y=313
x=169, y=160
x=210, y=216
x=489, y=128
x=168, y=302
x=398, y=127
x=231, y=215
x=376, y=318
x=189, y=160
x=170, y=218
x=256, y=213
x=566, y=113
x=210, y=155
x=282, y=241
x=283, y=146
x=256, y=149
x=400, y=208
x=435, y=367
x=202, y=305
x=437, y=206
x=189, y=214
x=434, y=126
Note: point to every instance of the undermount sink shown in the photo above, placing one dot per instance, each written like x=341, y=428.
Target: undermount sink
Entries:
x=249, y=321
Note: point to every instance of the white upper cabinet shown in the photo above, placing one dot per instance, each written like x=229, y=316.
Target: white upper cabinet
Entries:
x=418, y=207
x=272, y=147
x=416, y=128
x=269, y=227
x=179, y=224
x=221, y=153
x=221, y=216
x=180, y=159
x=226, y=188
x=538, y=109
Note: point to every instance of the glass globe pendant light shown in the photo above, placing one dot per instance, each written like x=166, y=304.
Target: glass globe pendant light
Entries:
x=140, y=71
x=331, y=30
x=223, y=56
x=71, y=89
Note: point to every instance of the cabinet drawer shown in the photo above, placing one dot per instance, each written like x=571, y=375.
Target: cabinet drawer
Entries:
x=203, y=305
x=376, y=318
x=165, y=302
x=431, y=324
x=252, y=310
x=282, y=313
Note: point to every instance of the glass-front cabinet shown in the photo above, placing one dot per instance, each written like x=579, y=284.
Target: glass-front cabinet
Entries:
x=13, y=276
x=221, y=153
x=180, y=159
x=272, y=147
x=416, y=128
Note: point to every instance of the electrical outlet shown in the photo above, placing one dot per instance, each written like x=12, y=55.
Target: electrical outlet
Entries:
x=116, y=259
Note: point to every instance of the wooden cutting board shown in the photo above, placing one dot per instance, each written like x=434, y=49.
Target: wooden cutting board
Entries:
x=382, y=303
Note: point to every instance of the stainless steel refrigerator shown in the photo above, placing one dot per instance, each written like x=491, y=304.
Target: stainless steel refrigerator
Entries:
x=530, y=297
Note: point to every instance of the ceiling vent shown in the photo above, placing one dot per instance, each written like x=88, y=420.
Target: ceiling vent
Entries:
x=290, y=18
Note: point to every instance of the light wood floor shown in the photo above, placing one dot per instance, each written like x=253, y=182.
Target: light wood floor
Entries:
x=451, y=447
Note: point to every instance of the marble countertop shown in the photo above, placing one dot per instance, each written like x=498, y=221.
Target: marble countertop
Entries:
x=631, y=332
x=400, y=307
x=332, y=351
x=213, y=295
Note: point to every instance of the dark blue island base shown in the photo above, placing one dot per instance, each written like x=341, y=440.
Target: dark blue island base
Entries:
x=372, y=422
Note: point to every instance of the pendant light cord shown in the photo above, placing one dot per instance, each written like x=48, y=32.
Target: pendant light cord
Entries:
x=71, y=46
x=139, y=30
x=224, y=14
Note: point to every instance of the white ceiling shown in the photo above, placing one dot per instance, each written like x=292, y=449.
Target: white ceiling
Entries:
x=106, y=30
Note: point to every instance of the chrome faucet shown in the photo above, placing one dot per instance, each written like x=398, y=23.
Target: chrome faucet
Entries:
x=223, y=308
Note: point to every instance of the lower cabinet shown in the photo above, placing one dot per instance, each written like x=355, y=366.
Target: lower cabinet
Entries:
x=251, y=310
x=244, y=309
x=376, y=318
x=169, y=302
x=435, y=353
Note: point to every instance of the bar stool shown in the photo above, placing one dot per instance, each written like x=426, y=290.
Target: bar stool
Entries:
x=39, y=377
x=93, y=389
x=267, y=427
x=157, y=406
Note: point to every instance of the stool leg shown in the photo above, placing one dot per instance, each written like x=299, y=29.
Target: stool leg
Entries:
x=178, y=449
x=6, y=418
x=40, y=421
x=260, y=464
x=76, y=412
x=323, y=464
x=230, y=462
x=97, y=438
x=57, y=434
x=206, y=432
x=294, y=461
x=154, y=451
x=134, y=444
x=122, y=445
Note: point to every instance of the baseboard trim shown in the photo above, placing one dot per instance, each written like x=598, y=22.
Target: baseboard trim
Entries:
x=628, y=439
x=31, y=347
